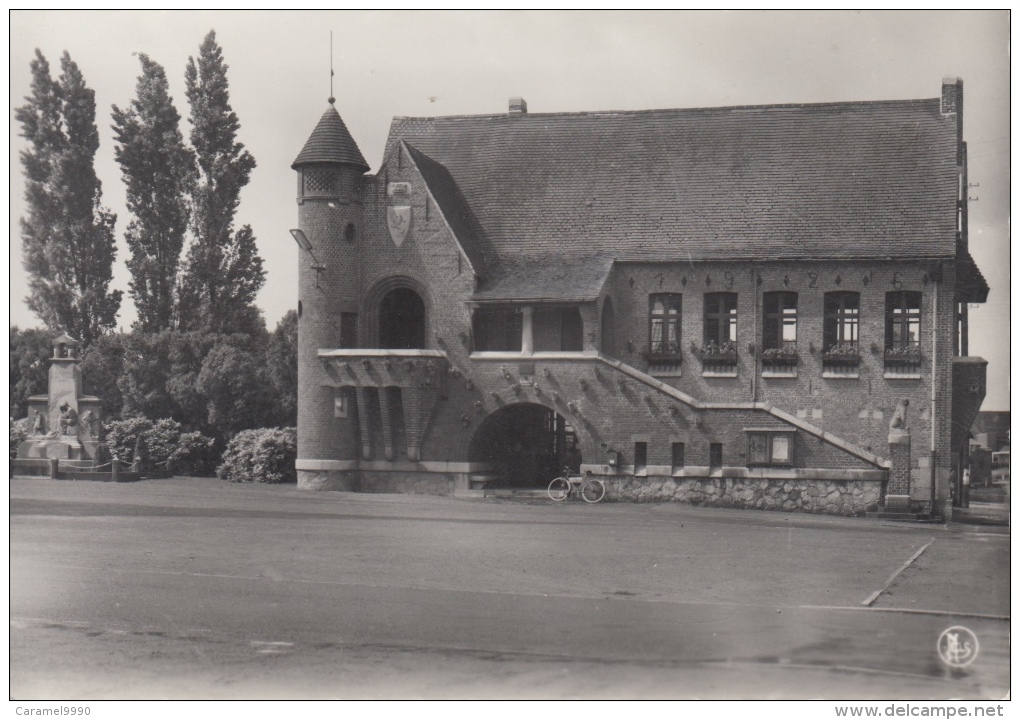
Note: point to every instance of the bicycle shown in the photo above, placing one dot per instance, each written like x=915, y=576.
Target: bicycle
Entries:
x=591, y=489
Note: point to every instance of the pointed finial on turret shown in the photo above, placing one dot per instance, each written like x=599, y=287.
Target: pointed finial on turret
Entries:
x=332, y=100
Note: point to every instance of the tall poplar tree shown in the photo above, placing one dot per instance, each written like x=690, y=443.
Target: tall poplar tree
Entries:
x=68, y=236
x=159, y=173
x=223, y=272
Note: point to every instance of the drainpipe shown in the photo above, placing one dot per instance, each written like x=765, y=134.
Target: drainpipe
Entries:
x=754, y=337
x=934, y=385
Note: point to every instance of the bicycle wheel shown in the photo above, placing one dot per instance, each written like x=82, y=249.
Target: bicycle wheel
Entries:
x=593, y=490
x=559, y=488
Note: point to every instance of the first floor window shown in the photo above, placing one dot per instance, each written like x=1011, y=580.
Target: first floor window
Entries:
x=768, y=448
x=640, y=456
x=678, y=455
x=715, y=455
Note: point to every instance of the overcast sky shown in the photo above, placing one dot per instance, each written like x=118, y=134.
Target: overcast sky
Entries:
x=445, y=63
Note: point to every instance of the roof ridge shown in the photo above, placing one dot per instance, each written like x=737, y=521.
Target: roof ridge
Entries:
x=652, y=111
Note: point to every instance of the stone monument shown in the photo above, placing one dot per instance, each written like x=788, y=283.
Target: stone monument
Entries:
x=64, y=423
x=898, y=491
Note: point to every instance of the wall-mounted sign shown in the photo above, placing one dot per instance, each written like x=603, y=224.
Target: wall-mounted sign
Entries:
x=399, y=189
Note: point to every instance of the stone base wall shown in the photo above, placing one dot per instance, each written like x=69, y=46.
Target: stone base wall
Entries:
x=368, y=481
x=326, y=480
x=839, y=497
x=410, y=483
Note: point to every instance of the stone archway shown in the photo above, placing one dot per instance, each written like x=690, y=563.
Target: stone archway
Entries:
x=528, y=443
x=402, y=320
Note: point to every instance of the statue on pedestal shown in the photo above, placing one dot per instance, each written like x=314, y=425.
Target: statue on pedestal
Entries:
x=68, y=420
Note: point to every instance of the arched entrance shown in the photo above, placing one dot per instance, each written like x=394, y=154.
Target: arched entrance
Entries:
x=528, y=443
x=402, y=320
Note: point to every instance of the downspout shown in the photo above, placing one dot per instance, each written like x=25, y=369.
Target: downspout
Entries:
x=754, y=337
x=934, y=385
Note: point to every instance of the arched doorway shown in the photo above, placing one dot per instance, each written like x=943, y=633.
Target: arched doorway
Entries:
x=402, y=320
x=529, y=445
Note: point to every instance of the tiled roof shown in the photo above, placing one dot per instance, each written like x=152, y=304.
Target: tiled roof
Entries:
x=969, y=279
x=552, y=278
x=455, y=209
x=841, y=180
x=331, y=142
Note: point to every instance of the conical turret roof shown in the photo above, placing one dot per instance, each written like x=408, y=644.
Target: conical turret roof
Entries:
x=331, y=142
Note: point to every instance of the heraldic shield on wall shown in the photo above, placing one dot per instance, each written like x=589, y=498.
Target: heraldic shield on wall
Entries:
x=399, y=221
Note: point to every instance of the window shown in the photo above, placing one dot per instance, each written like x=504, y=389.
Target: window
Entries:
x=840, y=341
x=348, y=330
x=719, y=354
x=768, y=448
x=349, y=233
x=664, y=326
x=678, y=456
x=842, y=320
x=779, y=333
x=715, y=455
x=497, y=329
x=640, y=456
x=720, y=320
x=902, y=333
x=780, y=330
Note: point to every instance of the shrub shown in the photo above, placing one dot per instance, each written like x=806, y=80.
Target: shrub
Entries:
x=122, y=436
x=196, y=454
x=266, y=455
x=190, y=453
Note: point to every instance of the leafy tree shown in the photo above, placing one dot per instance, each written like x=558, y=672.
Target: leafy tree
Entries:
x=159, y=173
x=29, y=367
x=102, y=367
x=223, y=272
x=68, y=237
x=281, y=362
x=237, y=389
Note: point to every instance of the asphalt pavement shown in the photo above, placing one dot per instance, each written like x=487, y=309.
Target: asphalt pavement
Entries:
x=195, y=588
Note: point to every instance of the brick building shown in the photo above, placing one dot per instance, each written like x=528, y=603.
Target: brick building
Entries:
x=719, y=306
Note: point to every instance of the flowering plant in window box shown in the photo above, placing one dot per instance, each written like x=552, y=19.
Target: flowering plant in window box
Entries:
x=909, y=355
x=666, y=352
x=846, y=354
x=779, y=356
x=725, y=354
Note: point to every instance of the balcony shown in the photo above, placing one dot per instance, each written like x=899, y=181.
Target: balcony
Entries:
x=364, y=367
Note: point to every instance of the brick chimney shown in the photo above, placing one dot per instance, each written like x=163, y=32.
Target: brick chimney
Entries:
x=518, y=106
x=952, y=104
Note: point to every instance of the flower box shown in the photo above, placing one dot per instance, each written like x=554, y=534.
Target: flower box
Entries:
x=841, y=359
x=663, y=358
x=910, y=357
x=771, y=358
x=720, y=358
